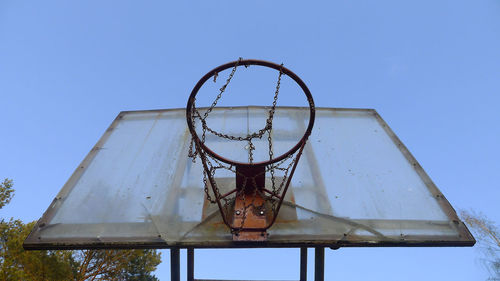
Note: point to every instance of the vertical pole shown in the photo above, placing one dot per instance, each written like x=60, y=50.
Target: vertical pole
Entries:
x=175, y=265
x=190, y=264
x=319, y=264
x=303, y=264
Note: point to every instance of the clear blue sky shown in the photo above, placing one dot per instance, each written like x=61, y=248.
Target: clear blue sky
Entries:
x=430, y=68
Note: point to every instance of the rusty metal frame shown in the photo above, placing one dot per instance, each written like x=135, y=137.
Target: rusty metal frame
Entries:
x=249, y=62
x=248, y=232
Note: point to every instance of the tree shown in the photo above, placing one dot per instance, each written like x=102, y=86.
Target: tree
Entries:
x=140, y=264
x=117, y=264
x=18, y=264
x=6, y=192
x=488, y=238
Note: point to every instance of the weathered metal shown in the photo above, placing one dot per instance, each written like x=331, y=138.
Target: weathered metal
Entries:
x=175, y=273
x=250, y=218
x=190, y=264
x=118, y=235
x=286, y=71
x=303, y=264
x=319, y=264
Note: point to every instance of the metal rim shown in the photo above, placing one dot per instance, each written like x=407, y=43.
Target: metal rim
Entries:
x=249, y=62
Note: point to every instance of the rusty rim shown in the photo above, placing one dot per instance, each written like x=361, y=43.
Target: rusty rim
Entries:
x=286, y=71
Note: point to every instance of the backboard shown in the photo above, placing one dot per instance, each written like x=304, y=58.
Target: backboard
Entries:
x=355, y=185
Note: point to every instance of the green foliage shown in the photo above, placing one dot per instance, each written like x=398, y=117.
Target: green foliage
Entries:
x=6, y=192
x=18, y=264
x=488, y=238
x=140, y=263
x=117, y=264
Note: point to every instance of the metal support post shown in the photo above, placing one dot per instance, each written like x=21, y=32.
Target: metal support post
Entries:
x=175, y=265
x=303, y=264
x=319, y=264
x=190, y=264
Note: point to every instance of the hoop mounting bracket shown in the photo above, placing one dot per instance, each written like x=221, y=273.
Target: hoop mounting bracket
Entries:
x=250, y=216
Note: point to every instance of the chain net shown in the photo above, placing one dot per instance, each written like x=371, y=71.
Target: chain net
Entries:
x=279, y=172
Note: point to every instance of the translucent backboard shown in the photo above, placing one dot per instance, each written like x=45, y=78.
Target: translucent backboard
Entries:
x=356, y=184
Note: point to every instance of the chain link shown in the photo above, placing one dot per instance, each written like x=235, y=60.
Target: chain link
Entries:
x=248, y=137
x=222, y=89
x=213, y=164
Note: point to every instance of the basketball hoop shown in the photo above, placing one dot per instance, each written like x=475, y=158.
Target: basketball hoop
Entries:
x=251, y=207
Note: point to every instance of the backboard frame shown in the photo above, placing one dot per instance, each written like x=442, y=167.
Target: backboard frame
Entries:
x=33, y=243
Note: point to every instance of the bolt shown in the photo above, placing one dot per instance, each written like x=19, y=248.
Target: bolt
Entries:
x=238, y=212
x=261, y=213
